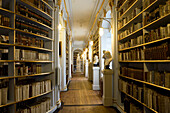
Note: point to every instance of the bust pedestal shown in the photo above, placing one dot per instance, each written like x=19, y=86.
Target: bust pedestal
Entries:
x=96, y=78
x=86, y=68
x=107, y=87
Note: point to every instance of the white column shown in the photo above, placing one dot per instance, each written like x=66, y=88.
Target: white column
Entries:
x=56, y=57
x=96, y=78
x=63, y=57
x=86, y=68
x=107, y=87
x=70, y=54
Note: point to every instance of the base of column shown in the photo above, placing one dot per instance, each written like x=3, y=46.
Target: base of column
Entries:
x=96, y=87
x=107, y=101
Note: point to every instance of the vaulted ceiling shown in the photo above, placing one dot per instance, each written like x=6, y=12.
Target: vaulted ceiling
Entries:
x=83, y=13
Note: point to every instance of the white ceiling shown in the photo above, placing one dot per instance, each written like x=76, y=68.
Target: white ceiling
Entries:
x=82, y=13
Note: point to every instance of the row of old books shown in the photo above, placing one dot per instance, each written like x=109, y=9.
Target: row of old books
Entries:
x=161, y=78
x=119, y=3
x=4, y=84
x=26, y=89
x=150, y=97
x=131, y=42
x=125, y=7
x=4, y=110
x=31, y=14
x=130, y=107
x=130, y=30
x=4, y=20
x=30, y=55
x=133, y=73
x=41, y=106
x=156, y=101
x=135, y=54
x=125, y=20
x=159, y=33
x=27, y=69
x=158, y=12
x=160, y=52
x=3, y=69
x=146, y=3
x=28, y=41
x=131, y=89
x=39, y=4
x=29, y=27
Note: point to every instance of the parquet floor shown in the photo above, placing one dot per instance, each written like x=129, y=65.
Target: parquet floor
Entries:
x=80, y=98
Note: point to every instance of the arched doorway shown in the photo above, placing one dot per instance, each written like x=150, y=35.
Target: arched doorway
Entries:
x=75, y=54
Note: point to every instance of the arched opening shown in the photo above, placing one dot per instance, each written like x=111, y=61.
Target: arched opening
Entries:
x=77, y=66
x=105, y=39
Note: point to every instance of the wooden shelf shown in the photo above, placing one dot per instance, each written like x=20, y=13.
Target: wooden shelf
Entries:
x=6, y=77
x=139, y=102
x=5, y=27
x=33, y=34
x=30, y=19
x=144, y=82
x=10, y=102
x=145, y=44
x=6, y=61
x=122, y=5
x=35, y=96
x=32, y=47
x=135, y=4
x=132, y=34
x=6, y=10
x=27, y=4
x=40, y=74
x=146, y=61
x=47, y=4
x=34, y=61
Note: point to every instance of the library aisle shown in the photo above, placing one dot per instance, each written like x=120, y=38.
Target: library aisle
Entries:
x=80, y=98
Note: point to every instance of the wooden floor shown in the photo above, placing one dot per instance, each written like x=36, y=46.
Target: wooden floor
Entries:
x=80, y=98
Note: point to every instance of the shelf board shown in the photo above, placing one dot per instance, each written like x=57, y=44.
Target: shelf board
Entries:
x=6, y=61
x=27, y=4
x=139, y=102
x=9, y=102
x=34, y=61
x=123, y=5
x=5, y=27
x=6, y=10
x=34, y=34
x=30, y=19
x=134, y=5
x=6, y=77
x=32, y=47
x=47, y=4
x=35, y=96
x=144, y=82
x=146, y=61
x=40, y=74
x=133, y=34
x=158, y=22
x=131, y=47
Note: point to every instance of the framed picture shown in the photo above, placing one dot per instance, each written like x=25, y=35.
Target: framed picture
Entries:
x=60, y=48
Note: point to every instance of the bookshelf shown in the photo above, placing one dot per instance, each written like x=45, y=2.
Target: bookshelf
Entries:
x=26, y=55
x=67, y=57
x=96, y=43
x=143, y=37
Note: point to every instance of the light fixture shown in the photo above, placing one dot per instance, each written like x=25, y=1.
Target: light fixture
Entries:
x=101, y=31
x=59, y=26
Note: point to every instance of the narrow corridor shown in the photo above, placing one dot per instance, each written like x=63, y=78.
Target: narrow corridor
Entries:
x=80, y=98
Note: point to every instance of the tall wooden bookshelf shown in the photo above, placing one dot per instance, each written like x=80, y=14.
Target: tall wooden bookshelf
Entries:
x=26, y=55
x=67, y=56
x=143, y=36
x=96, y=43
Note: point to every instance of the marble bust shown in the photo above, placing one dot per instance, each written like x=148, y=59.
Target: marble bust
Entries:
x=107, y=59
x=96, y=61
